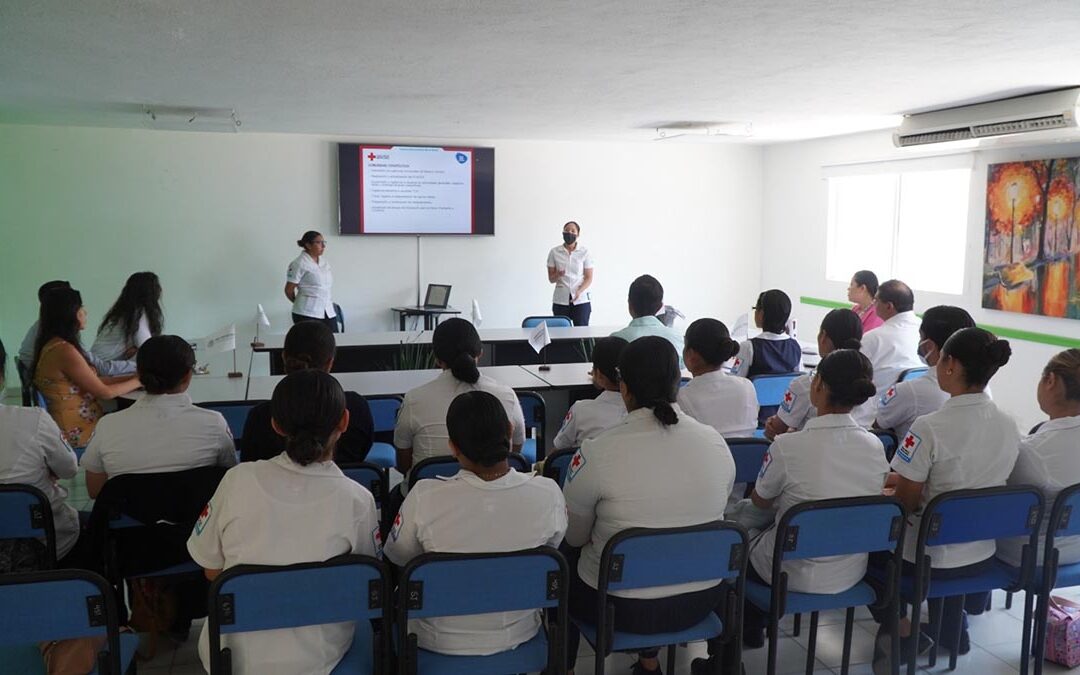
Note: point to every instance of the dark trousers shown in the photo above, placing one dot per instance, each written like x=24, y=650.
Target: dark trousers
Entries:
x=635, y=615
x=331, y=322
x=579, y=314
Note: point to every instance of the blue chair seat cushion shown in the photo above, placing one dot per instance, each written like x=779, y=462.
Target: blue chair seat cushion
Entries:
x=709, y=627
x=1067, y=575
x=528, y=657
x=382, y=454
x=802, y=603
x=359, y=658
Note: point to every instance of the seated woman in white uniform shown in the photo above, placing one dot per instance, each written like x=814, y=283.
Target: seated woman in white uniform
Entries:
x=297, y=507
x=725, y=402
x=902, y=403
x=968, y=444
x=588, y=417
x=485, y=508
x=133, y=319
x=657, y=468
x=840, y=329
x=1050, y=457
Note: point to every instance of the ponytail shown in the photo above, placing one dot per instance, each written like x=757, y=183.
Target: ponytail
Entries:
x=464, y=368
x=711, y=340
x=457, y=345
x=308, y=344
x=307, y=407
x=844, y=329
x=980, y=352
x=477, y=424
x=849, y=376
x=650, y=371
x=663, y=412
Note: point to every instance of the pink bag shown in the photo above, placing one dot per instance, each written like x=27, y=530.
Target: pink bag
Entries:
x=1063, y=632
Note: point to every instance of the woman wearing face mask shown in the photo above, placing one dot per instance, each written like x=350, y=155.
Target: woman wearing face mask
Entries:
x=901, y=403
x=570, y=268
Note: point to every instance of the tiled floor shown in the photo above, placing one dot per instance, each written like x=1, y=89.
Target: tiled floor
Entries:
x=995, y=650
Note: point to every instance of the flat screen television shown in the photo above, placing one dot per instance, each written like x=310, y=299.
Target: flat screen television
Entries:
x=416, y=190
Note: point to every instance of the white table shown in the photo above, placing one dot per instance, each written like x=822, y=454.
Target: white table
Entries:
x=273, y=343
x=390, y=382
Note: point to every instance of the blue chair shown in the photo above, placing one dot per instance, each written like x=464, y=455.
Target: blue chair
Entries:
x=25, y=513
x=748, y=454
x=249, y=598
x=911, y=374
x=372, y=476
x=532, y=405
x=446, y=466
x=234, y=412
x=823, y=528
x=770, y=390
x=888, y=440
x=443, y=585
x=557, y=464
x=57, y=605
x=551, y=321
x=384, y=412
x=643, y=557
x=964, y=516
x=1053, y=575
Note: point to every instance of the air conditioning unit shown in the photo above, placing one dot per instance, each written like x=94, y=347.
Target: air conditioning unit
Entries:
x=1020, y=115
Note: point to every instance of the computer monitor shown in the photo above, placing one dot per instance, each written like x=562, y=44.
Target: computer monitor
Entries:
x=438, y=296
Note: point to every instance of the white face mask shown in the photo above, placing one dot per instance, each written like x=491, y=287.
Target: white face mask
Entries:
x=923, y=355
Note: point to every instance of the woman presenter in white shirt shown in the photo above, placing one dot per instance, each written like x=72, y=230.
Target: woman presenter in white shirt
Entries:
x=485, y=508
x=308, y=282
x=570, y=268
x=297, y=507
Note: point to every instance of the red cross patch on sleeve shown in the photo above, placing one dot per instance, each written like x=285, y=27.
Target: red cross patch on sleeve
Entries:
x=765, y=462
x=888, y=396
x=908, y=446
x=396, y=530
x=576, y=463
x=200, y=524
x=789, y=400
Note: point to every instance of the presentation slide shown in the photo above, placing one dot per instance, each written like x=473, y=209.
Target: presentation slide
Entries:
x=402, y=189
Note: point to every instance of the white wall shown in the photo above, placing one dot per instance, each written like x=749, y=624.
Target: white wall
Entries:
x=793, y=245
x=217, y=215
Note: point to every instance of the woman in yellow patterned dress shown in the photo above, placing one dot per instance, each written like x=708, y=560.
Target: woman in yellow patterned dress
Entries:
x=63, y=374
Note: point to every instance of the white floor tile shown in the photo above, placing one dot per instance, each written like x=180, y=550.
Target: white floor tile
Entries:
x=830, y=644
x=996, y=626
x=978, y=661
x=791, y=657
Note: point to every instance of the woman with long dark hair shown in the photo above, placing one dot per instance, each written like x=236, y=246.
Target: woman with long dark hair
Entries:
x=62, y=371
x=133, y=319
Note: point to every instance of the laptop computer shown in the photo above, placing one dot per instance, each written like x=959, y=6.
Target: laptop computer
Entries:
x=438, y=296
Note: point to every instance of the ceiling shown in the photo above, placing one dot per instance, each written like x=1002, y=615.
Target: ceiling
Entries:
x=583, y=69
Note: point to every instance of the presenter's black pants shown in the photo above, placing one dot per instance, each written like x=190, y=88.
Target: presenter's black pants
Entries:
x=579, y=314
x=331, y=322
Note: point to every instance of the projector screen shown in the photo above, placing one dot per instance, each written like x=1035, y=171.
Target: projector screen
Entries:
x=408, y=189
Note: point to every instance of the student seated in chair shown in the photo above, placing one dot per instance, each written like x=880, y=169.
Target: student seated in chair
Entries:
x=893, y=347
x=297, y=507
x=724, y=402
x=487, y=507
x=645, y=300
x=774, y=351
x=658, y=468
x=588, y=417
x=309, y=344
x=163, y=431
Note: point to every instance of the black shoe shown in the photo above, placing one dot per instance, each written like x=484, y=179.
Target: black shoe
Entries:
x=883, y=648
x=753, y=639
x=965, y=642
x=701, y=666
x=638, y=669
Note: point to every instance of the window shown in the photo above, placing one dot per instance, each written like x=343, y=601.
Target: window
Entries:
x=908, y=225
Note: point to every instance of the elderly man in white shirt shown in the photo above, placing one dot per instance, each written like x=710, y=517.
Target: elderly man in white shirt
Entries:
x=894, y=347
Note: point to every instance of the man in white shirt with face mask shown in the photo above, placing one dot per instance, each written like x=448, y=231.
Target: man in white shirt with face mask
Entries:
x=894, y=347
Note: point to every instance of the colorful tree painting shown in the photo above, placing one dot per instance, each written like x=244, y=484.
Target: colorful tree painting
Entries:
x=1032, y=245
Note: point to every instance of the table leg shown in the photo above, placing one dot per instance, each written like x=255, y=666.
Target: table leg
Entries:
x=401, y=315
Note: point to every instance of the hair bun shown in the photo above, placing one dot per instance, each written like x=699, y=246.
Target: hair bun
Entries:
x=864, y=387
x=300, y=243
x=999, y=352
x=852, y=343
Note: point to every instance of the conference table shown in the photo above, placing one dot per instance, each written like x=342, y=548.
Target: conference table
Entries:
x=390, y=350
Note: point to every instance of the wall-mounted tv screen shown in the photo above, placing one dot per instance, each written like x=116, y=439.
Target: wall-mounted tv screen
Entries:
x=409, y=189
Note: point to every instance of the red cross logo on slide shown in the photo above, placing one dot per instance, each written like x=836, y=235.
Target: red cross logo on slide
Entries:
x=371, y=156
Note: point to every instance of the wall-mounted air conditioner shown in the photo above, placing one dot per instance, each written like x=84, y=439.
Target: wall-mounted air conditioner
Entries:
x=1023, y=114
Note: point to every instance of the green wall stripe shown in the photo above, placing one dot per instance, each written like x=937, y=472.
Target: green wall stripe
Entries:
x=1000, y=331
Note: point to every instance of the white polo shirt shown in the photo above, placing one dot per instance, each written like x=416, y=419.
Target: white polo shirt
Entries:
x=1050, y=460
x=901, y=403
x=32, y=451
x=724, y=402
x=796, y=410
x=466, y=514
x=587, y=418
x=968, y=444
x=276, y=512
x=313, y=281
x=641, y=474
x=421, y=423
x=159, y=434
x=573, y=265
x=892, y=348
x=111, y=343
x=832, y=457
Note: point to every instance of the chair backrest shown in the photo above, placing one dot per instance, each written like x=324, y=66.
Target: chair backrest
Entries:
x=770, y=389
x=234, y=412
x=25, y=513
x=24, y=382
x=384, y=411
x=532, y=406
x=888, y=441
x=748, y=454
x=646, y=557
x=557, y=463
x=340, y=318
x=551, y=321
x=843, y=526
x=911, y=374
x=1061, y=523
x=963, y=516
x=263, y=597
x=446, y=466
x=60, y=604
x=371, y=476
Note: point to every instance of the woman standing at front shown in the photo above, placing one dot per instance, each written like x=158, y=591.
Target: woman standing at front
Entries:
x=308, y=282
x=570, y=268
